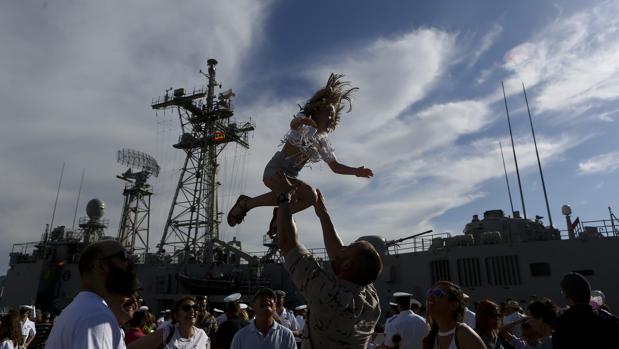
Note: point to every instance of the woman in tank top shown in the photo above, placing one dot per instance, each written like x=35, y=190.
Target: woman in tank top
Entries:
x=445, y=306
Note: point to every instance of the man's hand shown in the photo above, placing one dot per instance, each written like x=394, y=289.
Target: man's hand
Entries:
x=364, y=172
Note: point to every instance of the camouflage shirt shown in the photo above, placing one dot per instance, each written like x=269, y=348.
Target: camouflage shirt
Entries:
x=208, y=323
x=341, y=314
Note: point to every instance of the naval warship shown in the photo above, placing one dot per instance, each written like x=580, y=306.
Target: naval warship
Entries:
x=497, y=256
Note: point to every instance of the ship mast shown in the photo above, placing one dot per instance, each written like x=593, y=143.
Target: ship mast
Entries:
x=539, y=163
x=509, y=123
x=192, y=225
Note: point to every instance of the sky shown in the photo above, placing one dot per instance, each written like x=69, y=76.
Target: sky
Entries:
x=77, y=79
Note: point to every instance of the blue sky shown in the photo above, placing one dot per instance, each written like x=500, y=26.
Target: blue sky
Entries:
x=78, y=78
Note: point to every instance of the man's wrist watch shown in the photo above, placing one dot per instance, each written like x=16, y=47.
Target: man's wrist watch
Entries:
x=283, y=197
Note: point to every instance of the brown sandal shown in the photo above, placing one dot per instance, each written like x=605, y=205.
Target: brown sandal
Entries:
x=238, y=211
x=272, y=233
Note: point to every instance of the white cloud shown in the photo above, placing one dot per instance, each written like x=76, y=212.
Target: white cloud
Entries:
x=574, y=61
x=603, y=163
x=77, y=80
x=485, y=43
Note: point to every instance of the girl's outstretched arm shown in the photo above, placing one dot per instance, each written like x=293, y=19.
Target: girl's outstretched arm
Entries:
x=339, y=168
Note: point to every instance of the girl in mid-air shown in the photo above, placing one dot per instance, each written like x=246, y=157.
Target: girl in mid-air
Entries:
x=306, y=142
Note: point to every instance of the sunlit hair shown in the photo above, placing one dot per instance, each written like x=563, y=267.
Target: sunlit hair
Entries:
x=334, y=92
x=454, y=294
x=486, y=311
x=177, y=306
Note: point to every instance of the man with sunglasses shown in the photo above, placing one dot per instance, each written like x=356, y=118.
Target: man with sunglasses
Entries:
x=344, y=304
x=92, y=320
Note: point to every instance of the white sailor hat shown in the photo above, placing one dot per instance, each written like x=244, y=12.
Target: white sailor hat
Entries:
x=218, y=311
x=301, y=307
x=25, y=307
x=143, y=308
x=393, y=304
x=402, y=295
x=232, y=298
x=243, y=306
x=415, y=302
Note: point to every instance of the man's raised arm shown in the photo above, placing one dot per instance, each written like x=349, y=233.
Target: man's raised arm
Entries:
x=333, y=242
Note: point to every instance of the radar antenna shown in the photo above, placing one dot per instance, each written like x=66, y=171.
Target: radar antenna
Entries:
x=192, y=226
x=134, y=226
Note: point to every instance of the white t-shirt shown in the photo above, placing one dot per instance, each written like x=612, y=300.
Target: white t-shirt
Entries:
x=28, y=328
x=199, y=340
x=86, y=323
x=7, y=344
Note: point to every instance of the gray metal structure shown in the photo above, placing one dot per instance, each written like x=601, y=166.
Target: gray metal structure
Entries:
x=192, y=227
x=134, y=227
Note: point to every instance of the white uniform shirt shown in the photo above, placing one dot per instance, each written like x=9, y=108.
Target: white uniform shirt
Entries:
x=86, y=323
x=411, y=327
x=469, y=317
x=300, y=321
x=277, y=337
x=28, y=328
x=289, y=320
x=199, y=340
x=513, y=317
x=221, y=319
x=7, y=344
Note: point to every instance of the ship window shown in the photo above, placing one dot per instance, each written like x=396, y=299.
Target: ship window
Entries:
x=469, y=272
x=439, y=270
x=540, y=269
x=503, y=270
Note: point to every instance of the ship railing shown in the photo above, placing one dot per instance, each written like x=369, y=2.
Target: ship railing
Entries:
x=607, y=228
x=419, y=244
x=25, y=248
x=170, y=95
x=319, y=253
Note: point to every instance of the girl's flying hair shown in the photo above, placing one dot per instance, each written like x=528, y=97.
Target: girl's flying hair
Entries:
x=333, y=94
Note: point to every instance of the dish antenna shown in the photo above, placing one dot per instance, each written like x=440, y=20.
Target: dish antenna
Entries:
x=134, y=226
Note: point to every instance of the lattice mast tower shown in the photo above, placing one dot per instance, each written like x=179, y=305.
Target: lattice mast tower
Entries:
x=134, y=228
x=192, y=226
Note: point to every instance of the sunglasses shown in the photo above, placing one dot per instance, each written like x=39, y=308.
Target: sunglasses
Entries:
x=436, y=292
x=188, y=307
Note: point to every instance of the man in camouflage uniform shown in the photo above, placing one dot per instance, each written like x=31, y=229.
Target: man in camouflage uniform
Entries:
x=204, y=319
x=344, y=304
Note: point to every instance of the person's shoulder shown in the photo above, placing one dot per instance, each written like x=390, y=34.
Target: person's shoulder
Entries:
x=467, y=335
